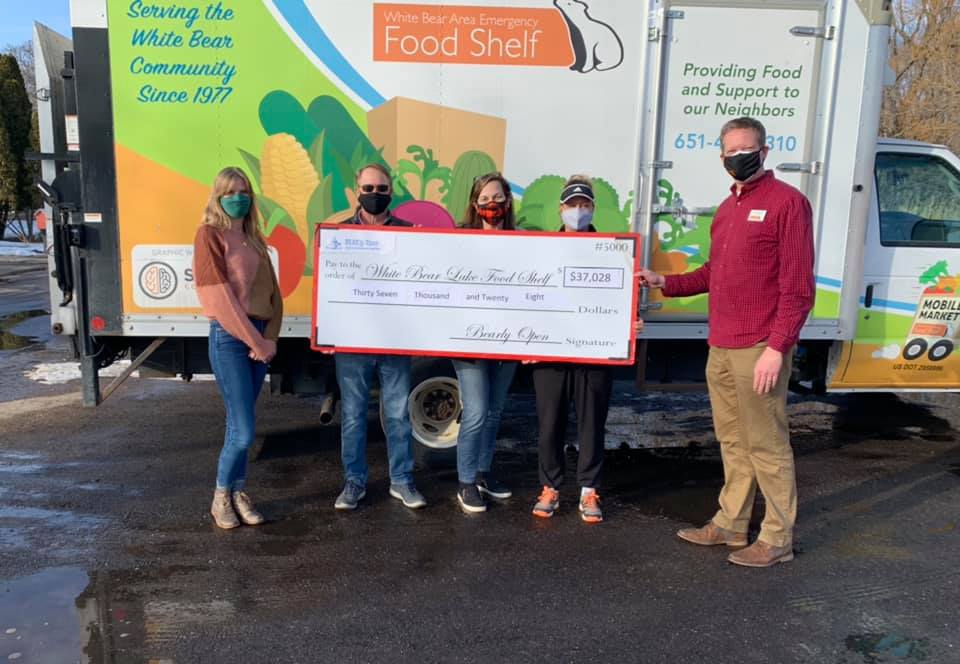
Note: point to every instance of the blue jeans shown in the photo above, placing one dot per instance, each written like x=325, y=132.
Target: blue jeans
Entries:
x=483, y=392
x=355, y=377
x=239, y=379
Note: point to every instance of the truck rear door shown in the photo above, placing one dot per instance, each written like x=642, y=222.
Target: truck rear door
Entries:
x=909, y=323
x=714, y=63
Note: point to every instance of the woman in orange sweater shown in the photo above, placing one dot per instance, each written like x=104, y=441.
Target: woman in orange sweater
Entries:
x=238, y=290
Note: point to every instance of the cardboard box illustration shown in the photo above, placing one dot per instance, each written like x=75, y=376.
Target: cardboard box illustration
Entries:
x=401, y=123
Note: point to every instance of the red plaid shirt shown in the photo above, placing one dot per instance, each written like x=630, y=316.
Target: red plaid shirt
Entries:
x=760, y=271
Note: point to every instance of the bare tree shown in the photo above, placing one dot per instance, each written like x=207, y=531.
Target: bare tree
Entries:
x=924, y=102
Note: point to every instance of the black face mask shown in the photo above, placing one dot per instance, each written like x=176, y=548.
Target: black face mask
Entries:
x=743, y=166
x=374, y=203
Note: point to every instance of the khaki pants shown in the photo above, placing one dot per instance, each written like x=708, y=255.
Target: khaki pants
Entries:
x=754, y=444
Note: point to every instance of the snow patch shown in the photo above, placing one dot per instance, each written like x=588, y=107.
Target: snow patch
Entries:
x=57, y=373
x=21, y=249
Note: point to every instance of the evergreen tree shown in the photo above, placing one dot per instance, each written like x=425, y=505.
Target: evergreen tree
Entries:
x=15, y=128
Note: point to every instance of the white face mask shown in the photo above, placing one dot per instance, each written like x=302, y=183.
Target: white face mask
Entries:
x=576, y=219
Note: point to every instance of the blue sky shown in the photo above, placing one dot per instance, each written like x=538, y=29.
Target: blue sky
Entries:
x=17, y=17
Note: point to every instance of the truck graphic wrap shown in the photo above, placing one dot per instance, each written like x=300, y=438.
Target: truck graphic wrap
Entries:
x=936, y=325
x=300, y=93
x=903, y=344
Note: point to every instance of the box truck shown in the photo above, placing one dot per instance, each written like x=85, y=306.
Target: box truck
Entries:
x=153, y=98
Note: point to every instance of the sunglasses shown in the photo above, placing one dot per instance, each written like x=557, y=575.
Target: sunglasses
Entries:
x=499, y=198
x=380, y=188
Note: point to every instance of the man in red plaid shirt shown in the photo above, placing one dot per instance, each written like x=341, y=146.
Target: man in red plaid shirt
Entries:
x=761, y=285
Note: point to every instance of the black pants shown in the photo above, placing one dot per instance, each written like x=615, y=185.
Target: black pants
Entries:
x=589, y=387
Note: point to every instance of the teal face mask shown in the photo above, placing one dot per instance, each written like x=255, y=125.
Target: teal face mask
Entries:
x=236, y=206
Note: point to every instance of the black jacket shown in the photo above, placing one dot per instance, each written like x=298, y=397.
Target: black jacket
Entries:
x=391, y=220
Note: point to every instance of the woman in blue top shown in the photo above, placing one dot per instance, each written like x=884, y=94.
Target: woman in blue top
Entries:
x=483, y=383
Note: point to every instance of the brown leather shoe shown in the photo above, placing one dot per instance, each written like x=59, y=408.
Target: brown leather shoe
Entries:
x=711, y=535
x=761, y=554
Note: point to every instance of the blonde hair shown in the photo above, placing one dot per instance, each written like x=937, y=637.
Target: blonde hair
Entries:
x=579, y=179
x=213, y=214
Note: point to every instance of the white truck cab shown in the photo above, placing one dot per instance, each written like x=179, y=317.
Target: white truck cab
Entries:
x=909, y=317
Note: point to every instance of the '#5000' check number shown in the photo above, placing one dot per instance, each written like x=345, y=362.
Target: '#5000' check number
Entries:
x=593, y=277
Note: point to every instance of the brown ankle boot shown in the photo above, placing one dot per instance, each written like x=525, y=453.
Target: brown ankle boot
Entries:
x=711, y=535
x=761, y=554
x=244, y=507
x=222, y=510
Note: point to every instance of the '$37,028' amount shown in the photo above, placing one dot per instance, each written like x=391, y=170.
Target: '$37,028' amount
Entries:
x=592, y=277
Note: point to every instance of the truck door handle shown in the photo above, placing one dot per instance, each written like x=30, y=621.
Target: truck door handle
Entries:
x=868, y=297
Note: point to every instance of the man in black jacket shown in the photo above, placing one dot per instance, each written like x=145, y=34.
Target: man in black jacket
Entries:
x=355, y=373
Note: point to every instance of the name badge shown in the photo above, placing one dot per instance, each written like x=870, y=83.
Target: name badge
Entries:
x=757, y=215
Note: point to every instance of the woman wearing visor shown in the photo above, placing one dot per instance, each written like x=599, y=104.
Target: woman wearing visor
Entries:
x=587, y=386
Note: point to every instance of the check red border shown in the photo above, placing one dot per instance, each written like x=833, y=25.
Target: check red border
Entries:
x=637, y=250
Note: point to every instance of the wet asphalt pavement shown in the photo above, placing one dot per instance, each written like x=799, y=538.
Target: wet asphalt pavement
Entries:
x=107, y=553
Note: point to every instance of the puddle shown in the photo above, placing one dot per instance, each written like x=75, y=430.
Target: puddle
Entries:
x=13, y=538
x=120, y=623
x=20, y=456
x=23, y=527
x=39, y=621
x=20, y=469
x=672, y=486
x=691, y=505
x=67, y=614
x=878, y=648
x=12, y=463
x=11, y=341
x=97, y=485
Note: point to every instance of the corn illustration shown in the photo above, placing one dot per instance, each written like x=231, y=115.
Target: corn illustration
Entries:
x=288, y=178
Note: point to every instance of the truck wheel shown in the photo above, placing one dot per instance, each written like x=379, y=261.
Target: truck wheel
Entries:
x=914, y=349
x=940, y=350
x=434, y=405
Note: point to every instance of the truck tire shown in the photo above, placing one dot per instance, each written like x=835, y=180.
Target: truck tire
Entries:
x=940, y=350
x=434, y=406
x=914, y=349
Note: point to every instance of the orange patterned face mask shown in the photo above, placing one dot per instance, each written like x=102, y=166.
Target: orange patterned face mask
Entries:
x=493, y=213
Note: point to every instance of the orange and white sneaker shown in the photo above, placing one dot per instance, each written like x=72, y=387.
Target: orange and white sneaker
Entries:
x=547, y=503
x=590, y=510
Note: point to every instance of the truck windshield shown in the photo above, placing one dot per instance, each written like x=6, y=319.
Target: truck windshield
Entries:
x=919, y=198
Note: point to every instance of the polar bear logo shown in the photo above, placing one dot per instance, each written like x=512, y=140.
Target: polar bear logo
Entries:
x=596, y=46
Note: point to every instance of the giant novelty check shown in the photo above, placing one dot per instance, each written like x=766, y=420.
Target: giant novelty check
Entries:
x=568, y=297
